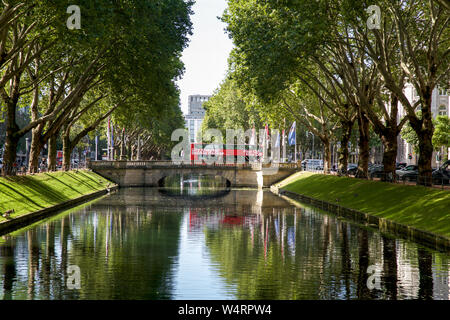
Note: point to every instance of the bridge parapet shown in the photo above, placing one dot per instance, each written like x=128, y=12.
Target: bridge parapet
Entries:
x=151, y=173
x=193, y=164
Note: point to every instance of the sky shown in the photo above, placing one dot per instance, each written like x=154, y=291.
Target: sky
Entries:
x=205, y=58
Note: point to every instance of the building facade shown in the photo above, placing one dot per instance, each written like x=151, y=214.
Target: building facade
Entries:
x=440, y=105
x=194, y=118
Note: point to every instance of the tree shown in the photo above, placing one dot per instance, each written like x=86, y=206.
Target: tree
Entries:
x=422, y=40
x=441, y=137
x=228, y=108
x=44, y=58
x=144, y=129
x=311, y=111
x=25, y=33
x=274, y=42
x=279, y=42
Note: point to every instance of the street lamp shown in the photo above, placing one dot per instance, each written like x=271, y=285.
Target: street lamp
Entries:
x=96, y=148
x=27, y=150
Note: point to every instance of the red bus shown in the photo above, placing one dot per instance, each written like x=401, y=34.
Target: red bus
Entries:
x=201, y=151
x=59, y=158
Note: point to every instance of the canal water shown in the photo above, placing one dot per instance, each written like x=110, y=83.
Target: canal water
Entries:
x=187, y=242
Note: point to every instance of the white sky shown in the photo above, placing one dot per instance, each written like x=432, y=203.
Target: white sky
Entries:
x=206, y=57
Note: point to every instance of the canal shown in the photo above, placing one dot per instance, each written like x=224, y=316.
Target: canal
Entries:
x=188, y=243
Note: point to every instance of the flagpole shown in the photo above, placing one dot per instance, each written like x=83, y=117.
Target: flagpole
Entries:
x=266, y=143
x=292, y=138
x=284, y=141
x=109, y=139
x=112, y=143
x=295, y=151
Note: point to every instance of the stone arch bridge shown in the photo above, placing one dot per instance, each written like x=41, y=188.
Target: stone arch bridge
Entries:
x=152, y=173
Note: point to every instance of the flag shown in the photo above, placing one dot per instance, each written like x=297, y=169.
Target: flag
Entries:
x=267, y=132
x=292, y=135
x=277, y=142
x=253, y=138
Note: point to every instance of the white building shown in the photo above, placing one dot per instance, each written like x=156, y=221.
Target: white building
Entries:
x=195, y=115
x=440, y=105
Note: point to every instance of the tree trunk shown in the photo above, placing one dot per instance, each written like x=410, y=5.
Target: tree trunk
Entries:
x=363, y=143
x=67, y=151
x=52, y=152
x=424, y=129
x=425, y=157
x=389, y=155
x=326, y=156
x=35, y=150
x=347, y=127
x=130, y=149
x=12, y=139
x=10, y=154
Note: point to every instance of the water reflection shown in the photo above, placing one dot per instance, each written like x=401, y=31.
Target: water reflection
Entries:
x=245, y=244
x=195, y=185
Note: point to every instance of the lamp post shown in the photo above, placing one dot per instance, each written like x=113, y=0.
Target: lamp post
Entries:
x=96, y=148
x=27, y=150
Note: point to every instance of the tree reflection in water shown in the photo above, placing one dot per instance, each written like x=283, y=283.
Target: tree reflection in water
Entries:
x=257, y=245
x=324, y=259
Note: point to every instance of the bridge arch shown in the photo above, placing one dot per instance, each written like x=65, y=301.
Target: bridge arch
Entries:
x=227, y=179
x=150, y=173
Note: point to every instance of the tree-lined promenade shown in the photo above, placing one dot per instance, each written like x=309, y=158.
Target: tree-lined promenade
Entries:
x=340, y=66
x=120, y=64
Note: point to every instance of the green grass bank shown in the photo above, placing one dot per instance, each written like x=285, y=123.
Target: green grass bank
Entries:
x=26, y=194
x=419, y=207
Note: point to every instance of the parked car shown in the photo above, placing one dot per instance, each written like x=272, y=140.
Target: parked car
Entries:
x=352, y=168
x=437, y=176
x=407, y=172
x=376, y=171
x=400, y=165
x=312, y=164
x=410, y=175
x=442, y=174
x=445, y=165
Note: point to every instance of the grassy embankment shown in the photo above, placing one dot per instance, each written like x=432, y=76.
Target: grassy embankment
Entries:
x=423, y=208
x=27, y=194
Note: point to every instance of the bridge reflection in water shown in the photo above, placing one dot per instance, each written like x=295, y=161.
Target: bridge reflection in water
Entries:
x=141, y=243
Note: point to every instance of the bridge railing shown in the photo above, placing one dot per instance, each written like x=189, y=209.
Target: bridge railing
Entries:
x=125, y=164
